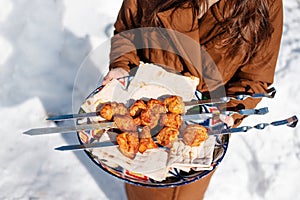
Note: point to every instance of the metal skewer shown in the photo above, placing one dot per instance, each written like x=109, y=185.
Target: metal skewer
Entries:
x=290, y=122
x=270, y=94
x=107, y=125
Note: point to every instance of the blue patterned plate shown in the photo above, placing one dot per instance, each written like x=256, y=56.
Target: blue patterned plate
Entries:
x=176, y=177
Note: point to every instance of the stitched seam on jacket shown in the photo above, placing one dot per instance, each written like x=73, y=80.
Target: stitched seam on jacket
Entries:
x=176, y=193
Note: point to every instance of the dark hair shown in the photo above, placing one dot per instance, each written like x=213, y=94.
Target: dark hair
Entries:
x=246, y=22
x=248, y=26
x=163, y=5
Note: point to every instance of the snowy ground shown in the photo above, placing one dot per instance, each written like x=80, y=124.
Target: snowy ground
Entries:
x=43, y=46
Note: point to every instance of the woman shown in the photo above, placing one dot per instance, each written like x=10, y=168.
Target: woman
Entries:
x=242, y=37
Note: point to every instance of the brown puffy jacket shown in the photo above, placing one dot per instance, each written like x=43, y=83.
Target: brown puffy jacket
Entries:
x=175, y=45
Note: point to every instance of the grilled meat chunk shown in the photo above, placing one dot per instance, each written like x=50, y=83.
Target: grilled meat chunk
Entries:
x=171, y=120
x=194, y=135
x=128, y=144
x=136, y=108
x=125, y=123
x=146, y=141
x=108, y=110
x=174, y=104
x=167, y=136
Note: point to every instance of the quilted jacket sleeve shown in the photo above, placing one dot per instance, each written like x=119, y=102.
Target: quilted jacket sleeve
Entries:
x=123, y=52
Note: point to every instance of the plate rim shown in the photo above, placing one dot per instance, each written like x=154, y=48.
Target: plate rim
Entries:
x=161, y=184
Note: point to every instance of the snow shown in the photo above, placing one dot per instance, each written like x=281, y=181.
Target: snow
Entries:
x=44, y=46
